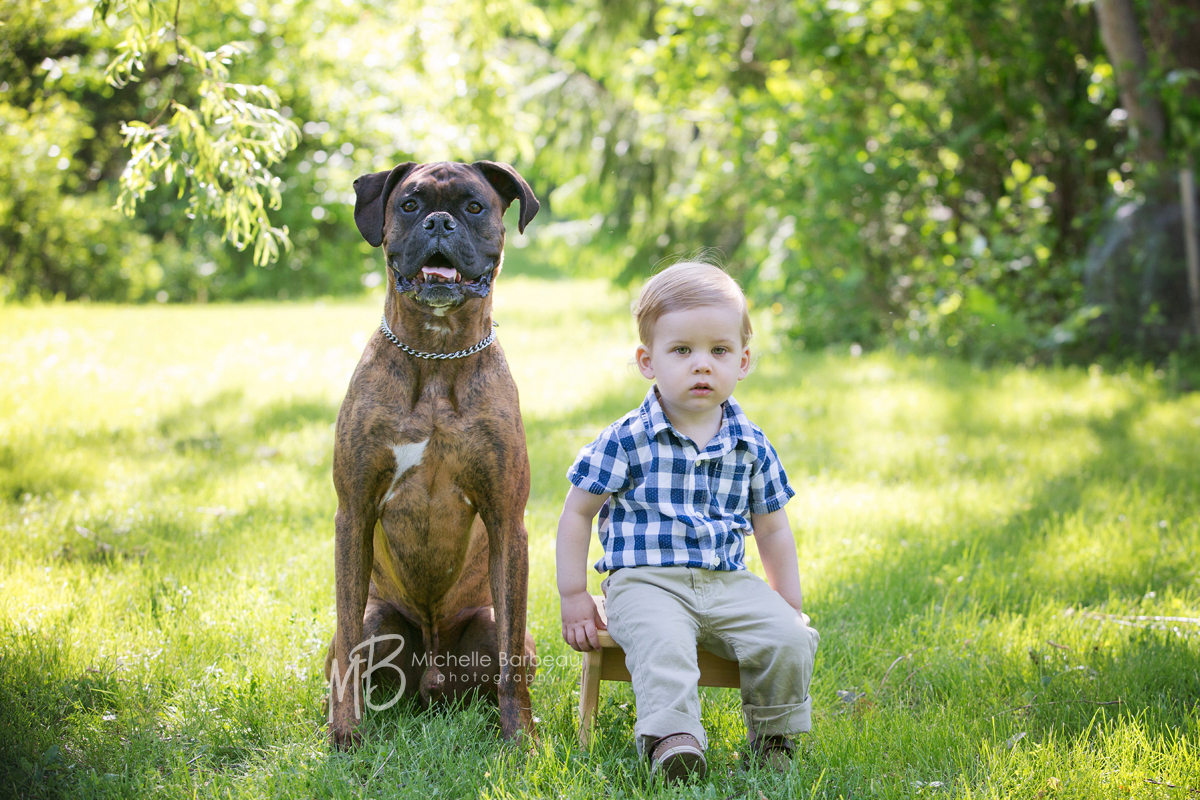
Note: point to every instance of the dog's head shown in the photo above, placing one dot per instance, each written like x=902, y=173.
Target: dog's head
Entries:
x=441, y=225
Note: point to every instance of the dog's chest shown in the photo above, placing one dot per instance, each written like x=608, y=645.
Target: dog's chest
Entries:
x=430, y=451
x=425, y=519
x=423, y=490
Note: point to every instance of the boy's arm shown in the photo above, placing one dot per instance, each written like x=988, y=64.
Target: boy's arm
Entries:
x=580, y=617
x=777, y=548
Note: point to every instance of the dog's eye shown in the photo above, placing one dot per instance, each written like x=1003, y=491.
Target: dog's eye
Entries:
x=409, y=205
x=474, y=207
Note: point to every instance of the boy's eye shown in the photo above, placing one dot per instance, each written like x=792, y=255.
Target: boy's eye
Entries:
x=720, y=351
x=683, y=351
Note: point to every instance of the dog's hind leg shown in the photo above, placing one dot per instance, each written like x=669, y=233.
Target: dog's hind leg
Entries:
x=473, y=662
x=391, y=653
x=397, y=650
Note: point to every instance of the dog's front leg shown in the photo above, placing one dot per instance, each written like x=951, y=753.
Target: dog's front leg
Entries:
x=352, y=554
x=508, y=547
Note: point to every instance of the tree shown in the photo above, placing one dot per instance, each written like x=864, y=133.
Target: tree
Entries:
x=927, y=174
x=366, y=86
x=1145, y=257
x=219, y=145
x=1123, y=41
x=946, y=175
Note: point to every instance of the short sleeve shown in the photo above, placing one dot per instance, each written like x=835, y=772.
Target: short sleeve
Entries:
x=769, y=489
x=601, y=467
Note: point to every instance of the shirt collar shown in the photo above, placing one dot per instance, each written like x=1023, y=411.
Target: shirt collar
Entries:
x=733, y=423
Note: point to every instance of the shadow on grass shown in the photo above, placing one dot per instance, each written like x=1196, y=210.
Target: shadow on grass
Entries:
x=221, y=433
x=1016, y=544
x=120, y=494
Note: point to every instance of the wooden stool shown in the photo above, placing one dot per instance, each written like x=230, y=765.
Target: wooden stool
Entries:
x=608, y=664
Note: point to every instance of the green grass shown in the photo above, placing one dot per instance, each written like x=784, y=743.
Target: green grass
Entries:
x=984, y=552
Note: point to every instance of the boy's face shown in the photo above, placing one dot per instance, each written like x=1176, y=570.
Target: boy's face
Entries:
x=697, y=357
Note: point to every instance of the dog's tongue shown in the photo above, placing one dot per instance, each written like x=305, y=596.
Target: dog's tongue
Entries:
x=449, y=273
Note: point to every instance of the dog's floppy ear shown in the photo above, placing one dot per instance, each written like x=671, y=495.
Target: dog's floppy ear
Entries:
x=370, y=194
x=509, y=184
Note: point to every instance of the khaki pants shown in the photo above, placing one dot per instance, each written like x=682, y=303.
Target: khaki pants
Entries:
x=660, y=614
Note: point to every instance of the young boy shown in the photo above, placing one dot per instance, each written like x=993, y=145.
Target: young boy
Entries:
x=678, y=483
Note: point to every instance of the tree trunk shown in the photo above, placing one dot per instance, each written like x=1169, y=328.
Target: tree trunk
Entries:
x=1187, y=188
x=1123, y=41
x=1175, y=38
x=1174, y=28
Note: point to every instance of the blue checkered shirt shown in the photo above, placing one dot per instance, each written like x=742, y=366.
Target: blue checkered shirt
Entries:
x=673, y=504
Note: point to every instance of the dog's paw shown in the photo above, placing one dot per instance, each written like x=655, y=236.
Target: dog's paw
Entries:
x=518, y=727
x=433, y=686
x=344, y=739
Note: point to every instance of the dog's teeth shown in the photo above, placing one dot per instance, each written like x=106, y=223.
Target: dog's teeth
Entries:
x=446, y=273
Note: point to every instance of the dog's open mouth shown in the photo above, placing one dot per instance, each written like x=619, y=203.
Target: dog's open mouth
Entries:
x=439, y=284
x=438, y=269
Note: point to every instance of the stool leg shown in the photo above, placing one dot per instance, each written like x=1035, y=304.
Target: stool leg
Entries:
x=589, y=694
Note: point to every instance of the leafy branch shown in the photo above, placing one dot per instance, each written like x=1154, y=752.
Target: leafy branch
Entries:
x=219, y=150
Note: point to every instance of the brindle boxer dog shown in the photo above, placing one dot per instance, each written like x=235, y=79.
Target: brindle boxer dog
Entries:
x=429, y=462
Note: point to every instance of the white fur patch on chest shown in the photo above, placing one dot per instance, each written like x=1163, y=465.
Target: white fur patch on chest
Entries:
x=407, y=457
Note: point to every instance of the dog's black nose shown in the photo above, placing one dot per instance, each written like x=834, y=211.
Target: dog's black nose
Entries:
x=439, y=222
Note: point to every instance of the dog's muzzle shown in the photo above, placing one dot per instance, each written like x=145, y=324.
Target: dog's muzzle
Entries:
x=441, y=286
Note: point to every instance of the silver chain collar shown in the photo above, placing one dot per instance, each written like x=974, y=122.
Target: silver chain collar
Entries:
x=472, y=350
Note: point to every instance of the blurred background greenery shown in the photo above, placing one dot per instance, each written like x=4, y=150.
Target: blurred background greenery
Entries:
x=960, y=176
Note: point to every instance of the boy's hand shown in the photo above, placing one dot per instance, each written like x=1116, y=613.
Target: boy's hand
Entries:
x=581, y=619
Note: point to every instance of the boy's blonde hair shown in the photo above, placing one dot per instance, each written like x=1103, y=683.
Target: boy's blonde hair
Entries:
x=688, y=284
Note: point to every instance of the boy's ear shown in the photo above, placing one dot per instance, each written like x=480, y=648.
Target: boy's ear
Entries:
x=747, y=362
x=643, y=361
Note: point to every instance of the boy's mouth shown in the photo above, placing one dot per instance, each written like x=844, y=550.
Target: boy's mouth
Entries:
x=701, y=388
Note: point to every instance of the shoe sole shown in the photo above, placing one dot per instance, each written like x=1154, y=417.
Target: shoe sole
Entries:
x=679, y=763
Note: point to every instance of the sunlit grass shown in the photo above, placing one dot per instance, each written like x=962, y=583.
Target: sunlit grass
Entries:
x=984, y=551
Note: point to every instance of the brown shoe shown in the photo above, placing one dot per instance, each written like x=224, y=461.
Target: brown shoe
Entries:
x=772, y=751
x=677, y=757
